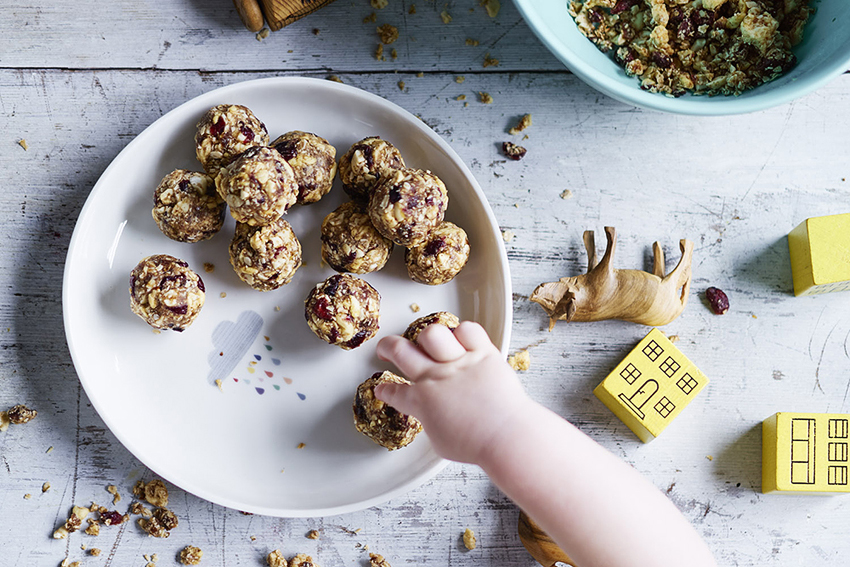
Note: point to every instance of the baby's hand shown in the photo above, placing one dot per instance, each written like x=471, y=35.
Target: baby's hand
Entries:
x=463, y=392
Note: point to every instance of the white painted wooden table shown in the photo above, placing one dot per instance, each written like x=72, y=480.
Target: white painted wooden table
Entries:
x=78, y=80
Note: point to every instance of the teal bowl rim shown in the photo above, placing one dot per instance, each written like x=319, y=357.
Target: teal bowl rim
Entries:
x=694, y=106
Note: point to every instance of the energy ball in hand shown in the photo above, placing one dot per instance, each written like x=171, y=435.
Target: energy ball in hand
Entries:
x=380, y=422
x=343, y=310
x=366, y=163
x=265, y=257
x=187, y=207
x=258, y=186
x=440, y=257
x=439, y=318
x=407, y=204
x=165, y=292
x=224, y=132
x=350, y=243
x=312, y=159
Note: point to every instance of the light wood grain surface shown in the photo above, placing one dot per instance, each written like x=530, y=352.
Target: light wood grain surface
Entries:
x=79, y=80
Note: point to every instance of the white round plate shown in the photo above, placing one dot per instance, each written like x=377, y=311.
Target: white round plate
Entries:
x=280, y=384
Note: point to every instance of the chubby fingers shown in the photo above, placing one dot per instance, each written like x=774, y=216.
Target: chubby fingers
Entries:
x=472, y=336
x=399, y=396
x=407, y=357
x=440, y=344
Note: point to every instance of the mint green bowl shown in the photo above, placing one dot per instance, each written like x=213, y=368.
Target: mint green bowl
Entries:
x=823, y=54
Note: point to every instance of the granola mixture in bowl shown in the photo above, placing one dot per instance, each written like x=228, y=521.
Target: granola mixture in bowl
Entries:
x=713, y=47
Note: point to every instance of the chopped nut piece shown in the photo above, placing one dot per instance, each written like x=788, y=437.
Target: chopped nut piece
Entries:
x=490, y=61
x=394, y=54
x=23, y=144
x=523, y=123
x=334, y=78
x=445, y=17
x=492, y=7
x=276, y=559
x=27, y=496
x=93, y=529
x=300, y=446
x=401, y=85
x=709, y=457
x=371, y=18
x=218, y=383
x=21, y=414
x=508, y=235
x=313, y=534
x=45, y=487
x=566, y=194
x=469, y=541
x=520, y=361
x=513, y=151
x=412, y=9
x=459, y=79
x=316, y=31
x=222, y=295
x=191, y=555
x=94, y=551
x=485, y=97
x=414, y=307
x=379, y=4
x=113, y=490
x=376, y=560
x=160, y=524
x=673, y=338
x=379, y=52
x=155, y=492
x=262, y=34
x=4, y=420
x=460, y=97
x=387, y=33
x=472, y=42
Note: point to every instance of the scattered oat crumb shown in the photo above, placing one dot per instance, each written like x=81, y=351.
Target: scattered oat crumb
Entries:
x=379, y=4
x=334, y=78
x=520, y=360
x=222, y=295
x=113, y=490
x=492, y=7
x=253, y=538
x=191, y=555
x=485, y=97
x=459, y=79
x=20, y=414
x=281, y=470
x=27, y=496
x=420, y=74
x=4, y=420
x=83, y=546
x=523, y=123
x=277, y=307
x=465, y=104
x=45, y=487
x=460, y=97
x=508, y=235
x=376, y=560
x=412, y=10
x=366, y=547
x=394, y=53
x=313, y=534
x=445, y=17
x=262, y=34
x=23, y=144
x=316, y=31
x=490, y=61
x=471, y=42
x=209, y=268
x=709, y=457
x=93, y=529
x=754, y=316
x=379, y=52
x=388, y=33
x=414, y=307
x=673, y=338
x=218, y=383
x=371, y=18
x=469, y=541
x=300, y=446
x=276, y=558
x=566, y=194
x=516, y=205
x=401, y=85
x=49, y=449
x=94, y=551
x=156, y=331
x=74, y=564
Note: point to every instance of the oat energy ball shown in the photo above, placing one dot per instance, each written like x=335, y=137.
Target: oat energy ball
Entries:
x=439, y=318
x=186, y=206
x=380, y=422
x=312, y=159
x=165, y=292
x=343, y=310
x=265, y=257
x=350, y=243
x=224, y=132
x=365, y=163
x=259, y=186
x=440, y=257
x=407, y=204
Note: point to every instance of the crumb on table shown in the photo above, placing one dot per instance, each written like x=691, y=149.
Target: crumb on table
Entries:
x=485, y=97
x=523, y=123
x=566, y=194
x=513, y=151
x=520, y=360
x=469, y=541
x=376, y=560
x=445, y=16
x=508, y=235
x=388, y=33
x=414, y=307
x=191, y=555
x=313, y=534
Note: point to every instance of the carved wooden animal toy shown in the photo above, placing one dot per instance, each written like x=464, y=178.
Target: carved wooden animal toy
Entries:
x=608, y=293
x=539, y=545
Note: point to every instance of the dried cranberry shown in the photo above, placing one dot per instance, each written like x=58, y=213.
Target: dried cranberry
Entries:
x=288, y=149
x=201, y=285
x=368, y=154
x=218, y=126
x=685, y=30
x=179, y=281
x=595, y=16
x=331, y=285
x=322, y=309
x=112, y=518
x=179, y=310
x=395, y=195
x=434, y=246
x=133, y=280
x=183, y=185
x=357, y=339
x=513, y=151
x=623, y=5
x=718, y=300
x=661, y=60
x=247, y=132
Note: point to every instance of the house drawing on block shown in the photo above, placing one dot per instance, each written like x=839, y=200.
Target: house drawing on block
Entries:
x=649, y=387
x=820, y=255
x=805, y=452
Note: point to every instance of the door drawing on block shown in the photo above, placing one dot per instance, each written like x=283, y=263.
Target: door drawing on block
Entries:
x=802, y=451
x=640, y=397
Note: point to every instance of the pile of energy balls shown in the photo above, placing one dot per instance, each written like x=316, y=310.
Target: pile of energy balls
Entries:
x=391, y=204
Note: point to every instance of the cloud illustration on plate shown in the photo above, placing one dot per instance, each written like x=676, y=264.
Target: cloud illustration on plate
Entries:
x=231, y=340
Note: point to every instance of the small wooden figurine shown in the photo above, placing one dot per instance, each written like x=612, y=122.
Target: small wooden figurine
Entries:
x=539, y=545
x=605, y=292
x=820, y=255
x=651, y=386
x=805, y=452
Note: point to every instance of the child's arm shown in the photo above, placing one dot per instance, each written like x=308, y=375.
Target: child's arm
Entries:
x=598, y=509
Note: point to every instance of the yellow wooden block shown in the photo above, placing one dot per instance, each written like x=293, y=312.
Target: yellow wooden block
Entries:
x=805, y=452
x=649, y=388
x=820, y=255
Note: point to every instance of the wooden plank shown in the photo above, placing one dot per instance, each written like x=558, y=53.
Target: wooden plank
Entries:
x=733, y=185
